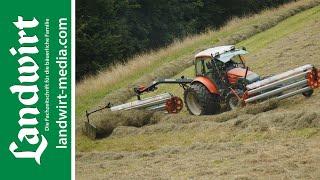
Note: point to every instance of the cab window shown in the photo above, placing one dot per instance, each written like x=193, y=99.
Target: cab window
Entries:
x=203, y=66
x=238, y=60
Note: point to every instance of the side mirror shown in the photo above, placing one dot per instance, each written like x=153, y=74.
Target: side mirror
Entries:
x=213, y=56
x=244, y=48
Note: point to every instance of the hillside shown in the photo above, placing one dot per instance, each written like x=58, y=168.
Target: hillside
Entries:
x=277, y=142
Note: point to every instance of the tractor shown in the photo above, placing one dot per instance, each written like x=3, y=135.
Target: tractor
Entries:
x=223, y=78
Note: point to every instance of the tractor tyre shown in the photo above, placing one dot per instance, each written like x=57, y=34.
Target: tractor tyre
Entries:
x=199, y=101
x=232, y=102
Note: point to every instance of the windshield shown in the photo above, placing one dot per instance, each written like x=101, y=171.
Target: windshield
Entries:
x=225, y=57
x=235, y=61
x=239, y=60
x=203, y=65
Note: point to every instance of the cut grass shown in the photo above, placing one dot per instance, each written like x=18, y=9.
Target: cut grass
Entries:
x=185, y=138
x=280, y=144
x=91, y=91
x=296, y=158
x=290, y=25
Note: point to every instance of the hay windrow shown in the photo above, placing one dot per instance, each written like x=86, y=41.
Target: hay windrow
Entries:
x=225, y=116
x=262, y=107
x=106, y=121
x=252, y=118
x=281, y=121
x=240, y=120
x=121, y=131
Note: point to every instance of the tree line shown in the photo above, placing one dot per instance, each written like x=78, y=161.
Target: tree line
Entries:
x=111, y=31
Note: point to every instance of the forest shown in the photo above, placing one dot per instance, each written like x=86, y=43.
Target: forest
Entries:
x=112, y=31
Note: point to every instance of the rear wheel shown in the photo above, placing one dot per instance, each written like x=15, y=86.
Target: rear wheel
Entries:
x=199, y=101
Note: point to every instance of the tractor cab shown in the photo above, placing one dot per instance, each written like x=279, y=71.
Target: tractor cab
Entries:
x=224, y=64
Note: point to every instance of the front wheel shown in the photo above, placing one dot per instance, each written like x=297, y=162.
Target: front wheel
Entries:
x=232, y=102
x=308, y=93
x=199, y=101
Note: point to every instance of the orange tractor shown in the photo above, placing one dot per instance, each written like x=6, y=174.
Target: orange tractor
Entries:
x=222, y=77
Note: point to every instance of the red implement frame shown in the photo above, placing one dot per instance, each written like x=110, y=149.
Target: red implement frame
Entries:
x=314, y=78
x=174, y=105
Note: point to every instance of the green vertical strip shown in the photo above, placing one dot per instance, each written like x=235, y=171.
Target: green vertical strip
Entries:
x=35, y=90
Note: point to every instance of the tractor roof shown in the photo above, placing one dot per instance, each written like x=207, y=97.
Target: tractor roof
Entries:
x=221, y=53
x=214, y=51
x=225, y=57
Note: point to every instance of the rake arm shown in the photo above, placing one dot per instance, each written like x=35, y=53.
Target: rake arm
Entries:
x=153, y=86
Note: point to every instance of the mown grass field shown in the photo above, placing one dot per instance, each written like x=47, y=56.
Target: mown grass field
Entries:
x=282, y=143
